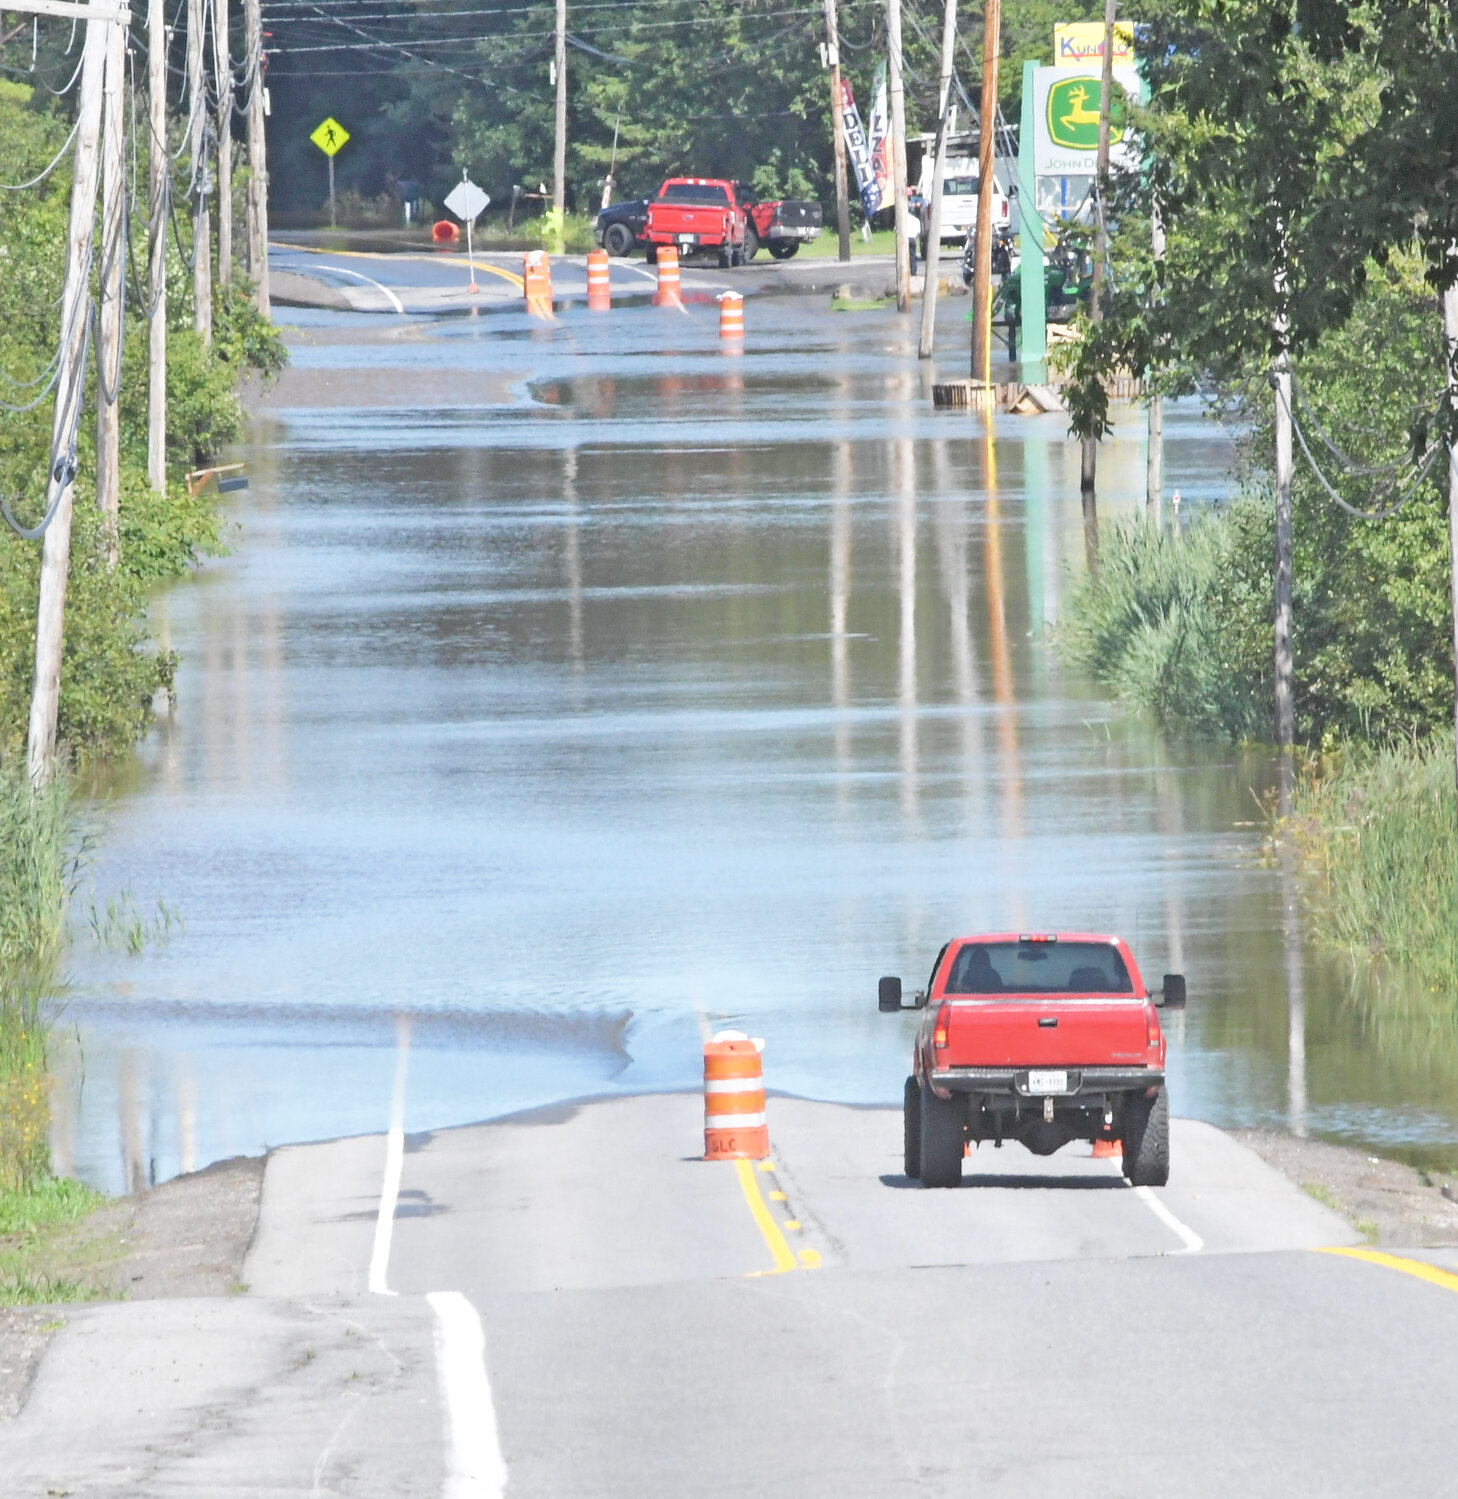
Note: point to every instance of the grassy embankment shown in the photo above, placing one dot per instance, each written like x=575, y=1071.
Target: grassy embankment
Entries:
x=111, y=665
x=1180, y=624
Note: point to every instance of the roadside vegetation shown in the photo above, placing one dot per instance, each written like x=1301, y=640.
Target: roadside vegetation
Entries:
x=1308, y=207
x=112, y=666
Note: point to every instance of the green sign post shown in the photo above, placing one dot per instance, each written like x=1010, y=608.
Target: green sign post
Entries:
x=1034, y=330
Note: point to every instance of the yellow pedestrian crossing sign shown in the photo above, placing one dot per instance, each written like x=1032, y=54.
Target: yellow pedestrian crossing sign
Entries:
x=330, y=136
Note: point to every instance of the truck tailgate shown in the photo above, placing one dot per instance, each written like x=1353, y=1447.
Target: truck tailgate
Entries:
x=1008, y=1033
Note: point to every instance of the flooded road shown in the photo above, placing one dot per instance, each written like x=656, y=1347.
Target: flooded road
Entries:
x=584, y=682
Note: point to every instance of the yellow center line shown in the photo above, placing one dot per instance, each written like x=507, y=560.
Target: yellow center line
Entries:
x=1416, y=1268
x=779, y=1247
x=439, y=259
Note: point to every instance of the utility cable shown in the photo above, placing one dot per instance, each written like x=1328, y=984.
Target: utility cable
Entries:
x=62, y=471
x=1382, y=513
x=20, y=187
x=1369, y=471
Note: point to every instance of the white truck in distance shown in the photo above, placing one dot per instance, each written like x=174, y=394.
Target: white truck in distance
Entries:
x=959, y=198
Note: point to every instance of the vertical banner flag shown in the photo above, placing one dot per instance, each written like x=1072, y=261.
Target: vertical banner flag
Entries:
x=881, y=138
x=858, y=148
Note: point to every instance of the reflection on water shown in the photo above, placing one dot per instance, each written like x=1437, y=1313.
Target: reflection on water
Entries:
x=702, y=690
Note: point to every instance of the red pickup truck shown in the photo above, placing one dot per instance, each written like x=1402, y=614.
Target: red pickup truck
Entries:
x=698, y=213
x=1039, y=1039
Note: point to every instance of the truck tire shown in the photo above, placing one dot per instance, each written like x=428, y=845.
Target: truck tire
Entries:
x=941, y=1140
x=1146, y=1140
x=911, y=1128
x=751, y=243
x=617, y=239
x=783, y=249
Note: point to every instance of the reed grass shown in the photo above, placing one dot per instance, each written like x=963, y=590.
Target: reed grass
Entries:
x=37, y=862
x=1381, y=828
x=1165, y=623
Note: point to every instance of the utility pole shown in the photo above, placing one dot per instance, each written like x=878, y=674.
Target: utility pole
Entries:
x=109, y=285
x=223, y=86
x=1089, y=468
x=157, y=248
x=898, y=154
x=559, y=154
x=837, y=127
x=257, y=202
x=1450, y=345
x=933, y=209
x=986, y=154
x=1281, y=381
x=1154, y=467
x=75, y=296
x=202, y=230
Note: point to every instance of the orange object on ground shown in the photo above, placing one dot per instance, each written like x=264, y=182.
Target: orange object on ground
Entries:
x=1105, y=1148
x=443, y=232
x=599, y=287
x=731, y=315
x=734, y=1118
x=536, y=275
x=669, y=292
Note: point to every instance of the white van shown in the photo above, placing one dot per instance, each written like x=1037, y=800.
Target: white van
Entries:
x=959, y=197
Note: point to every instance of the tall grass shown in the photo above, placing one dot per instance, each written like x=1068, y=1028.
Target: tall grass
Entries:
x=37, y=842
x=1383, y=831
x=1166, y=624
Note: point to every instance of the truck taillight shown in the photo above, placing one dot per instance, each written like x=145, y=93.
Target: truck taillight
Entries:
x=1151, y=1025
x=939, y=1031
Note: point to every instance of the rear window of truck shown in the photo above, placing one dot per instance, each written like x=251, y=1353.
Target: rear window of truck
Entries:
x=1039, y=968
x=693, y=192
x=959, y=187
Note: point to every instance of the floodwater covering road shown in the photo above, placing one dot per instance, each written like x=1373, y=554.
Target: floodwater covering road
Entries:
x=570, y=683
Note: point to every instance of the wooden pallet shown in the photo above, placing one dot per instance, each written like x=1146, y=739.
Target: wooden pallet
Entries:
x=1020, y=399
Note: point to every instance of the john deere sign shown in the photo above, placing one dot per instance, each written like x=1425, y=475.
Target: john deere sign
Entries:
x=1066, y=140
x=1073, y=114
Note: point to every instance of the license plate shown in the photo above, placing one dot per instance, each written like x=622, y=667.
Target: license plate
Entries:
x=1047, y=1082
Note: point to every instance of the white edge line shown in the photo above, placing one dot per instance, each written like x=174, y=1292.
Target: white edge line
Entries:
x=394, y=1165
x=476, y=1468
x=345, y=271
x=1192, y=1241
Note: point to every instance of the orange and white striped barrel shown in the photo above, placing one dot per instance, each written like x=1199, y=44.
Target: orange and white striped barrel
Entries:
x=734, y=1118
x=599, y=288
x=731, y=315
x=536, y=275
x=669, y=292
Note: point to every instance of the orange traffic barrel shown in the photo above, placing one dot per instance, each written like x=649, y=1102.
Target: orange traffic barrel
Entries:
x=599, y=288
x=669, y=293
x=536, y=275
x=731, y=315
x=443, y=232
x=734, y=1119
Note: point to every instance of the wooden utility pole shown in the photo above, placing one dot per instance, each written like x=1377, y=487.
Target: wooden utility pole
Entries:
x=75, y=297
x=1450, y=343
x=223, y=88
x=559, y=153
x=1088, y=474
x=157, y=248
x=898, y=154
x=257, y=203
x=933, y=209
x=109, y=285
x=986, y=155
x=837, y=127
x=202, y=229
x=1154, y=467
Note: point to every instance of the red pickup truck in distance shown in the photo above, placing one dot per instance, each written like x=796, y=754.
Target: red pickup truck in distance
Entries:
x=698, y=213
x=1039, y=1039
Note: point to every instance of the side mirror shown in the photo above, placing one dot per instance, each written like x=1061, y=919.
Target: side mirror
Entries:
x=888, y=994
x=1174, y=991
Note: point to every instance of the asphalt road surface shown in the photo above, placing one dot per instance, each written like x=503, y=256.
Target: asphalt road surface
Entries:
x=570, y=1302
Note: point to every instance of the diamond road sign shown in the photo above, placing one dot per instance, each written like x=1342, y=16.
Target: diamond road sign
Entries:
x=467, y=202
x=330, y=136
